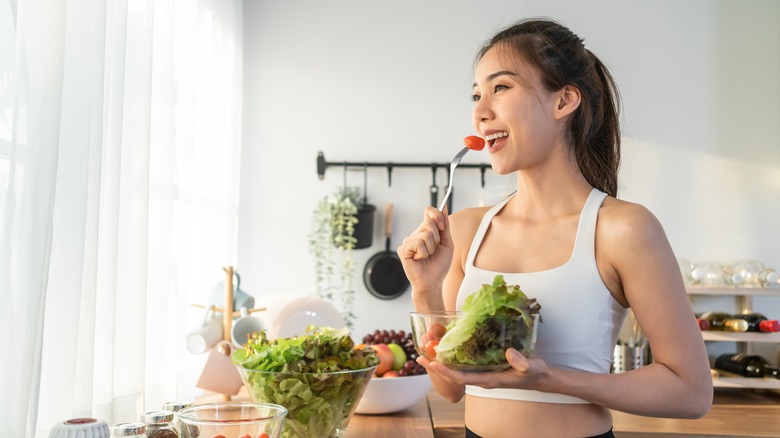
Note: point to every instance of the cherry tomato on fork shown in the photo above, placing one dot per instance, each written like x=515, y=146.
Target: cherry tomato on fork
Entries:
x=474, y=143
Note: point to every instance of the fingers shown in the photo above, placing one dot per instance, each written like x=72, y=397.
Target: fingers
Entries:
x=517, y=360
x=422, y=243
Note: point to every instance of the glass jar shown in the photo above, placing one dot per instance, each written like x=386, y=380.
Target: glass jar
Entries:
x=159, y=424
x=128, y=430
x=709, y=274
x=175, y=406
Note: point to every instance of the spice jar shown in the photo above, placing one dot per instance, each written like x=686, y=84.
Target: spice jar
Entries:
x=159, y=424
x=175, y=406
x=129, y=430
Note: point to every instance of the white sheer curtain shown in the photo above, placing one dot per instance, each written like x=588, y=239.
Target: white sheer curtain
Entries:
x=120, y=128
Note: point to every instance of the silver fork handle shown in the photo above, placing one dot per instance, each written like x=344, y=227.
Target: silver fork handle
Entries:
x=449, y=189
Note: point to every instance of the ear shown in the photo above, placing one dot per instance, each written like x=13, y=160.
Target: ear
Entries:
x=568, y=100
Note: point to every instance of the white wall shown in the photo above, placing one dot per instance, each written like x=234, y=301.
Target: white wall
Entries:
x=379, y=81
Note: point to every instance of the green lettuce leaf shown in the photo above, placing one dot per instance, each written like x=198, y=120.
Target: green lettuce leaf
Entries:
x=477, y=336
x=310, y=376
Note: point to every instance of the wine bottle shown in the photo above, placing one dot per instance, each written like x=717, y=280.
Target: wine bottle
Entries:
x=746, y=365
x=759, y=323
x=703, y=323
x=724, y=322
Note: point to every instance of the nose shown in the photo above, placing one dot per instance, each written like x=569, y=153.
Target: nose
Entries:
x=482, y=111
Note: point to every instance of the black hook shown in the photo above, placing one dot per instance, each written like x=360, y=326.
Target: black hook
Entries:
x=389, y=174
x=365, y=182
x=321, y=165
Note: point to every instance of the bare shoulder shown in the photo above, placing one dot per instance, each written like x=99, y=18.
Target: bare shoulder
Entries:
x=625, y=222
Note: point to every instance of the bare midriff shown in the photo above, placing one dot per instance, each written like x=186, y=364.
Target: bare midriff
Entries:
x=496, y=418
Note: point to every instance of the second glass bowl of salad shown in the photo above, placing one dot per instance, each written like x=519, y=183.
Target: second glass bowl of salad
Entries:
x=319, y=377
x=449, y=338
x=232, y=419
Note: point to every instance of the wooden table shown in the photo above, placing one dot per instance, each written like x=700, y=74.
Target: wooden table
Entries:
x=735, y=413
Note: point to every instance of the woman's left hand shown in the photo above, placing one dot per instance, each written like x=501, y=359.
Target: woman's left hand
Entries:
x=525, y=373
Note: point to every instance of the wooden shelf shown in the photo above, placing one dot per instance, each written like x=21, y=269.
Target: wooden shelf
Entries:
x=731, y=380
x=745, y=383
x=740, y=337
x=733, y=291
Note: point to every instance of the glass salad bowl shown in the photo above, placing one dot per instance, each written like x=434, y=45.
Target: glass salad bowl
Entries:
x=460, y=343
x=319, y=404
x=319, y=377
x=232, y=420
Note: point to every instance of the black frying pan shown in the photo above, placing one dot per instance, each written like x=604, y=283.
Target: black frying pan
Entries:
x=384, y=275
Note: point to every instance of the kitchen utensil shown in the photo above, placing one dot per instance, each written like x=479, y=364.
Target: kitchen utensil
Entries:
x=207, y=334
x=434, y=188
x=384, y=275
x=393, y=394
x=364, y=230
x=232, y=420
x=244, y=326
x=80, y=427
x=289, y=315
x=240, y=298
x=429, y=328
x=455, y=161
x=219, y=374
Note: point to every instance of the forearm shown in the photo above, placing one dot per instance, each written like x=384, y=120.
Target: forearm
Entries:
x=654, y=391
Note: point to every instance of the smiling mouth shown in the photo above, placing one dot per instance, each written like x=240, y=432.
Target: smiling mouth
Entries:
x=496, y=135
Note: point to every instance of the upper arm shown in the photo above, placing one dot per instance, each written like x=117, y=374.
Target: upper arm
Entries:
x=649, y=278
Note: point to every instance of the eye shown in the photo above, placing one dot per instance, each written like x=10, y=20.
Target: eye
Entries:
x=499, y=87
x=475, y=97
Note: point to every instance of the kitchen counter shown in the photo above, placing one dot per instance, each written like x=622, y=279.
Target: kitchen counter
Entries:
x=735, y=413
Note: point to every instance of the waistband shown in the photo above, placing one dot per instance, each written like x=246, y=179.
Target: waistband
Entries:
x=607, y=434
x=523, y=395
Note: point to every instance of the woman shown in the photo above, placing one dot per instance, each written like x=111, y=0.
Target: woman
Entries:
x=548, y=111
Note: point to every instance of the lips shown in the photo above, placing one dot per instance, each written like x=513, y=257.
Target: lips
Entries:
x=496, y=140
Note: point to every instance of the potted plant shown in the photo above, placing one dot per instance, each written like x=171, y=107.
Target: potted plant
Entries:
x=342, y=222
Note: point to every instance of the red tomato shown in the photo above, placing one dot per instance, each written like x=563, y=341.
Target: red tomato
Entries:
x=474, y=143
x=218, y=436
x=436, y=331
x=430, y=349
x=263, y=435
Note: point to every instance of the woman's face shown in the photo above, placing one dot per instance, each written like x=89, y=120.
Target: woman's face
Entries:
x=513, y=112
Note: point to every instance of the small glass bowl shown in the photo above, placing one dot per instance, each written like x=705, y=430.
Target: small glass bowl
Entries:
x=232, y=420
x=505, y=332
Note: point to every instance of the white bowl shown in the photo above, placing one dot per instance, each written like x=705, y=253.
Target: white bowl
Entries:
x=289, y=315
x=393, y=394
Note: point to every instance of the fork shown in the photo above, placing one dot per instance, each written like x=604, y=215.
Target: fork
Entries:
x=453, y=165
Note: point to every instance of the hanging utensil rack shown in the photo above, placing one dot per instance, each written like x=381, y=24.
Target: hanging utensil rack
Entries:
x=323, y=164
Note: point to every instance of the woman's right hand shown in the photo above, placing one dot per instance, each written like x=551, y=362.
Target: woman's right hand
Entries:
x=426, y=254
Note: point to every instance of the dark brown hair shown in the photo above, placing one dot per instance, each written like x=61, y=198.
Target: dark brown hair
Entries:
x=562, y=59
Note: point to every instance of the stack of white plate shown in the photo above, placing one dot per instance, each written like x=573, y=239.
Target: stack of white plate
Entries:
x=289, y=315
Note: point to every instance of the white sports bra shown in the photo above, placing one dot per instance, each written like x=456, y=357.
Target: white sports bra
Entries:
x=581, y=317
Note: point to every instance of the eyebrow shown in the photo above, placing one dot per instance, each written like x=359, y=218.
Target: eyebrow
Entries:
x=497, y=74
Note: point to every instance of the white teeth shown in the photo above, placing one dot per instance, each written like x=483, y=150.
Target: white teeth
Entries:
x=496, y=135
